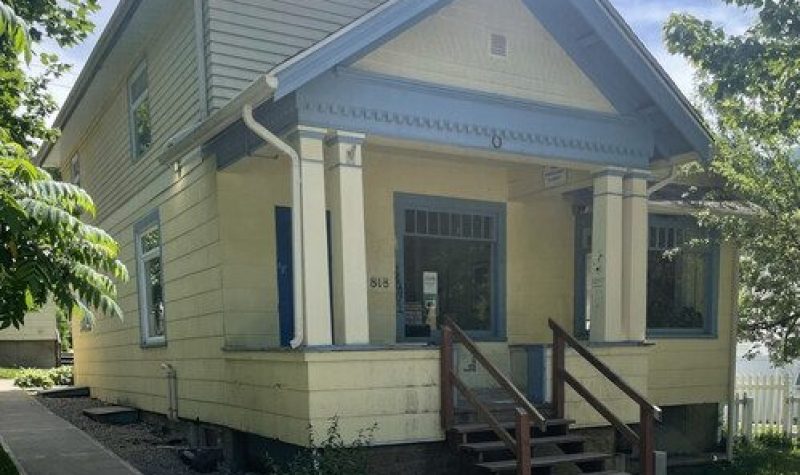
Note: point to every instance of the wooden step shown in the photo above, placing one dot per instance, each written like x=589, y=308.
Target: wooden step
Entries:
x=549, y=461
x=480, y=427
x=535, y=441
x=607, y=472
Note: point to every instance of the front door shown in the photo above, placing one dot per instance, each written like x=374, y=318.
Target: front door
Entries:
x=285, y=269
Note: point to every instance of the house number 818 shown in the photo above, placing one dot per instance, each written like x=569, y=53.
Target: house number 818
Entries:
x=379, y=283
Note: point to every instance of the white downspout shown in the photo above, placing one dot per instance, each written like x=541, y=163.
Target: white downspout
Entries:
x=734, y=338
x=298, y=253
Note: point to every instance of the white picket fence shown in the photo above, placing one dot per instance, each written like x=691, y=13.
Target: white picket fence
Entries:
x=766, y=403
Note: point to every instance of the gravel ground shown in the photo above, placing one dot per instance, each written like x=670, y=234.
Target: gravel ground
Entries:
x=148, y=447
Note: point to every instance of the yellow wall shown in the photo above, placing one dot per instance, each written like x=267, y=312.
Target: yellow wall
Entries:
x=452, y=47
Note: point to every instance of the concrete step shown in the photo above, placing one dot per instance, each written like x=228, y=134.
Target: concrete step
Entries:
x=113, y=414
x=68, y=392
x=549, y=461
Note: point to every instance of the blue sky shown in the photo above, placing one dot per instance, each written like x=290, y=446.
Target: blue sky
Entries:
x=645, y=16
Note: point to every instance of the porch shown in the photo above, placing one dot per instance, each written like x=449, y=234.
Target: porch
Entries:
x=418, y=234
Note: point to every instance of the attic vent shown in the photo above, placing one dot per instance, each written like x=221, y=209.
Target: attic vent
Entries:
x=498, y=45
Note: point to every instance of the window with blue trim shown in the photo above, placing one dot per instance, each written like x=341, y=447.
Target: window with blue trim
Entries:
x=149, y=267
x=449, y=261
x=680, y=277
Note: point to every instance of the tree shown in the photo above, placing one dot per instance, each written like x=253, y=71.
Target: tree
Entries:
x=749, y=85
x=47, y=252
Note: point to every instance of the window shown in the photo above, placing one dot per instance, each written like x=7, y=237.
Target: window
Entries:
x=450, y=266
x=75, y=170
x=680, y=277
x=139, y=110
x=151, y=280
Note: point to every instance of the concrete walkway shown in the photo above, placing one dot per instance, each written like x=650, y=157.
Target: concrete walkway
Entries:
x=43, y=443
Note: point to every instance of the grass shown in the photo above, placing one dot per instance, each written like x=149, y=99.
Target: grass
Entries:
x=9, y=373
x=6, y=465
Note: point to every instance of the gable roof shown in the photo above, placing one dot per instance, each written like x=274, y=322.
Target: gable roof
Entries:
x=591, y=31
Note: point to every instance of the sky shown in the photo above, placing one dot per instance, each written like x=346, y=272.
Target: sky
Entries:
x=647, y=18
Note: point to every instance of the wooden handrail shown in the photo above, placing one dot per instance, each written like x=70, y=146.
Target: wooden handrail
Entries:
x=605, y=370
x=521, y=446
x=648, y=412
x=498, y=375
x=579, y=388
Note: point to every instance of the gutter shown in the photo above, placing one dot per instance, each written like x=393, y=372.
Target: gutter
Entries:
x=261, y=90
x=298, y=250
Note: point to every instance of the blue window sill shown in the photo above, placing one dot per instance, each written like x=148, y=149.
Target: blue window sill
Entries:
x=677, y=334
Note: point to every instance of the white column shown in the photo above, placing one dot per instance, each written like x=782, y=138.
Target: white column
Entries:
x=606, y=275
x=316, y=289
x=634, y=257
x=345, y=193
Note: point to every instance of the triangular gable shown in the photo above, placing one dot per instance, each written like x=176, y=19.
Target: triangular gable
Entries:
x=589, y=30
x=491, y=46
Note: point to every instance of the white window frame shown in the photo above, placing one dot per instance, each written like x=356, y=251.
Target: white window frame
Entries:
x=144, y=226
x=75, y=164
x=134, y=104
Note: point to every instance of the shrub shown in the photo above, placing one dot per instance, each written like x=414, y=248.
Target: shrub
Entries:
x=34, y=378
x=330, y=456
x=44, y=378
x=61, y=376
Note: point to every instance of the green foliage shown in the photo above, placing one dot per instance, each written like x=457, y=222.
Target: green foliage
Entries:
x=33, y=378
x=749, y=85
x=47, y=251
x=9, y=373
x=768, y=454
x=330, y=456
x=43, y=378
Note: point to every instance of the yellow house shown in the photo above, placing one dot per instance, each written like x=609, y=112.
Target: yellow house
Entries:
x=306, y=192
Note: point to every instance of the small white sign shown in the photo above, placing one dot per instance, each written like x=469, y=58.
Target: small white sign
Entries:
x=430, y=283
x=554, y=176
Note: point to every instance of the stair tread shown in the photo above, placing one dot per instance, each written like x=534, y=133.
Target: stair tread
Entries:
x=500, y=445
x=607, y=472
x=481, y=427
x=547, y=461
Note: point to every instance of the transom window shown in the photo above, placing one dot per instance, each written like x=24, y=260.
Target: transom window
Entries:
x=150, y=280
x=449, y=263
x=139, y=110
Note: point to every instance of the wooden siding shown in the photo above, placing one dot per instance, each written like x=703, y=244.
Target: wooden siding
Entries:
x=108, y=171
x=452, y=48
x=245, y=38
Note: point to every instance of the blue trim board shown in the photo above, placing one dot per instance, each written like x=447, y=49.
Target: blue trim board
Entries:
x=374, y=104
x=604, y=47
x=537, y=373
x=404, y=201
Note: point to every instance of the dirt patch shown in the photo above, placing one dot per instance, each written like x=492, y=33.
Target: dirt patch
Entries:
x=148, y=447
